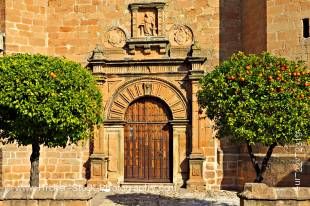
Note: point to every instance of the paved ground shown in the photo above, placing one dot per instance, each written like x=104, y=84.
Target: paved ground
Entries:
x=165, y=198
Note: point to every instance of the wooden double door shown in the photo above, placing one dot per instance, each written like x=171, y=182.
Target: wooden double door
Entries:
x=148, y=142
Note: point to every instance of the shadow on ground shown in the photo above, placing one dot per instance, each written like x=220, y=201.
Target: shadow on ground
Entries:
x=138, y=199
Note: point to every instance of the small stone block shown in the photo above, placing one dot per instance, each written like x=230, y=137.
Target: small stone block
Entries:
x=19, y=194
x=75, y=203
x=74, y=195
x=286, y=193
x=44, y=194
x=303, y=193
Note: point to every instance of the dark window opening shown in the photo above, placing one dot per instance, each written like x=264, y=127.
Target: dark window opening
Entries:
x=306, y=27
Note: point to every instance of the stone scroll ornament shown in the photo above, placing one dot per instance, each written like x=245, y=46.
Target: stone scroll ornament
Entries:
x=116, y=37
x=181, y=35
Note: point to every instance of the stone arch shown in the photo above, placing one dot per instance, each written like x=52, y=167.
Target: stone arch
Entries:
x=140, y=87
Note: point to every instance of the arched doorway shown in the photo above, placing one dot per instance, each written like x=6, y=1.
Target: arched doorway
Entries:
x=148, y=141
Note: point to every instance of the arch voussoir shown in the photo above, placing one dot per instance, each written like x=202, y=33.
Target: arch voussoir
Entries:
x=141, y=87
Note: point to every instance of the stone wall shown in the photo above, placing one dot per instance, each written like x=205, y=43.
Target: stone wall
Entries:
x=275, y=26
x=254, y=26
x=73, y=28
x=228, y=164
x=45, y=196
x=26, y=26
x=232, y=168
x=285, y=29
x=2, y=15
x=288, y=166
x=256, y=194
x=230, y=28
x=58, y=166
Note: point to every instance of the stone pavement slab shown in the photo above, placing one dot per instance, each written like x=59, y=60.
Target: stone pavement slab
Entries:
x=175, y=198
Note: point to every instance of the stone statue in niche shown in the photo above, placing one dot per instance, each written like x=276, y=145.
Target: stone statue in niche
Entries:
x=147, y=87
x=148, y=26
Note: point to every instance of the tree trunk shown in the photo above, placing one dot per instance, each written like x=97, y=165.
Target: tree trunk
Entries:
x=254, y=163
x=266, y=160
x=260, y=170
x=34, y=159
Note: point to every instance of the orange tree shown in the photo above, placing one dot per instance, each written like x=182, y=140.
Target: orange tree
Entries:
x=258, y=99
x=46, y=101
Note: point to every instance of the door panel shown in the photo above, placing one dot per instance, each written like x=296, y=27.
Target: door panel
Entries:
x=147, y=142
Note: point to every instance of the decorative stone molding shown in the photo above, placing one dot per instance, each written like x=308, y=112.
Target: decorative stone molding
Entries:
x=97, y=53
x=181, y=36
x=147, y=19
x=147, y=28
x=115, y=37
x=147, y=44
x=140, y=87
x=181, y=40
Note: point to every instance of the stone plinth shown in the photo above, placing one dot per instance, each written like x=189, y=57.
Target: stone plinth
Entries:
x=255, y=194
x=46, y=196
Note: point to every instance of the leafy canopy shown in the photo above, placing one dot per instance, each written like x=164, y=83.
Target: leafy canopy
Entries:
x=259, y=98
x=47, y=100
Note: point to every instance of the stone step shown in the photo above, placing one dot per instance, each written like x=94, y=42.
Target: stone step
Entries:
x=149, y=187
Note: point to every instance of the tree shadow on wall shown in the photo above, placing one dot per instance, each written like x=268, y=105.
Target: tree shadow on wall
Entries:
x=228, y=159
x=87, y=164
x=134, y=199
x=300, y=177
x=237, y=167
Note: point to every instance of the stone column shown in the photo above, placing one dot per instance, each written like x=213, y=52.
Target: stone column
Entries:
x=196, y=157
x=115, y=151
x=134, y=16
x=161, y=24
x=180, y=165
x=98, y=158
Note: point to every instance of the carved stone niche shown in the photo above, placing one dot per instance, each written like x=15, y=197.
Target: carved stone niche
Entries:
x=147, y=29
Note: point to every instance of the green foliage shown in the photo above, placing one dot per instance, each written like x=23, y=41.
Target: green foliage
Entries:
x=47, y=100
x=259, y=99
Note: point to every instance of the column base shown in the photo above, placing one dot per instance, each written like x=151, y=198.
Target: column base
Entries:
x=196, y=181
x=196, y=186
x=98, y=173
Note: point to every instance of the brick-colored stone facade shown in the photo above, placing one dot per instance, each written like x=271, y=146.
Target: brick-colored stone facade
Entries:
x=2, y=16
x=57, y=166
x=275, y=26
x=132, y=58
x=284, y=29
x=254, y=26
x=72, y=28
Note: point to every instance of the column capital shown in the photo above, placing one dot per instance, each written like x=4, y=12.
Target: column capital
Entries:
x=180, y=123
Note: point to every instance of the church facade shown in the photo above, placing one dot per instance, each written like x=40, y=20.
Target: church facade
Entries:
x=148, y=57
